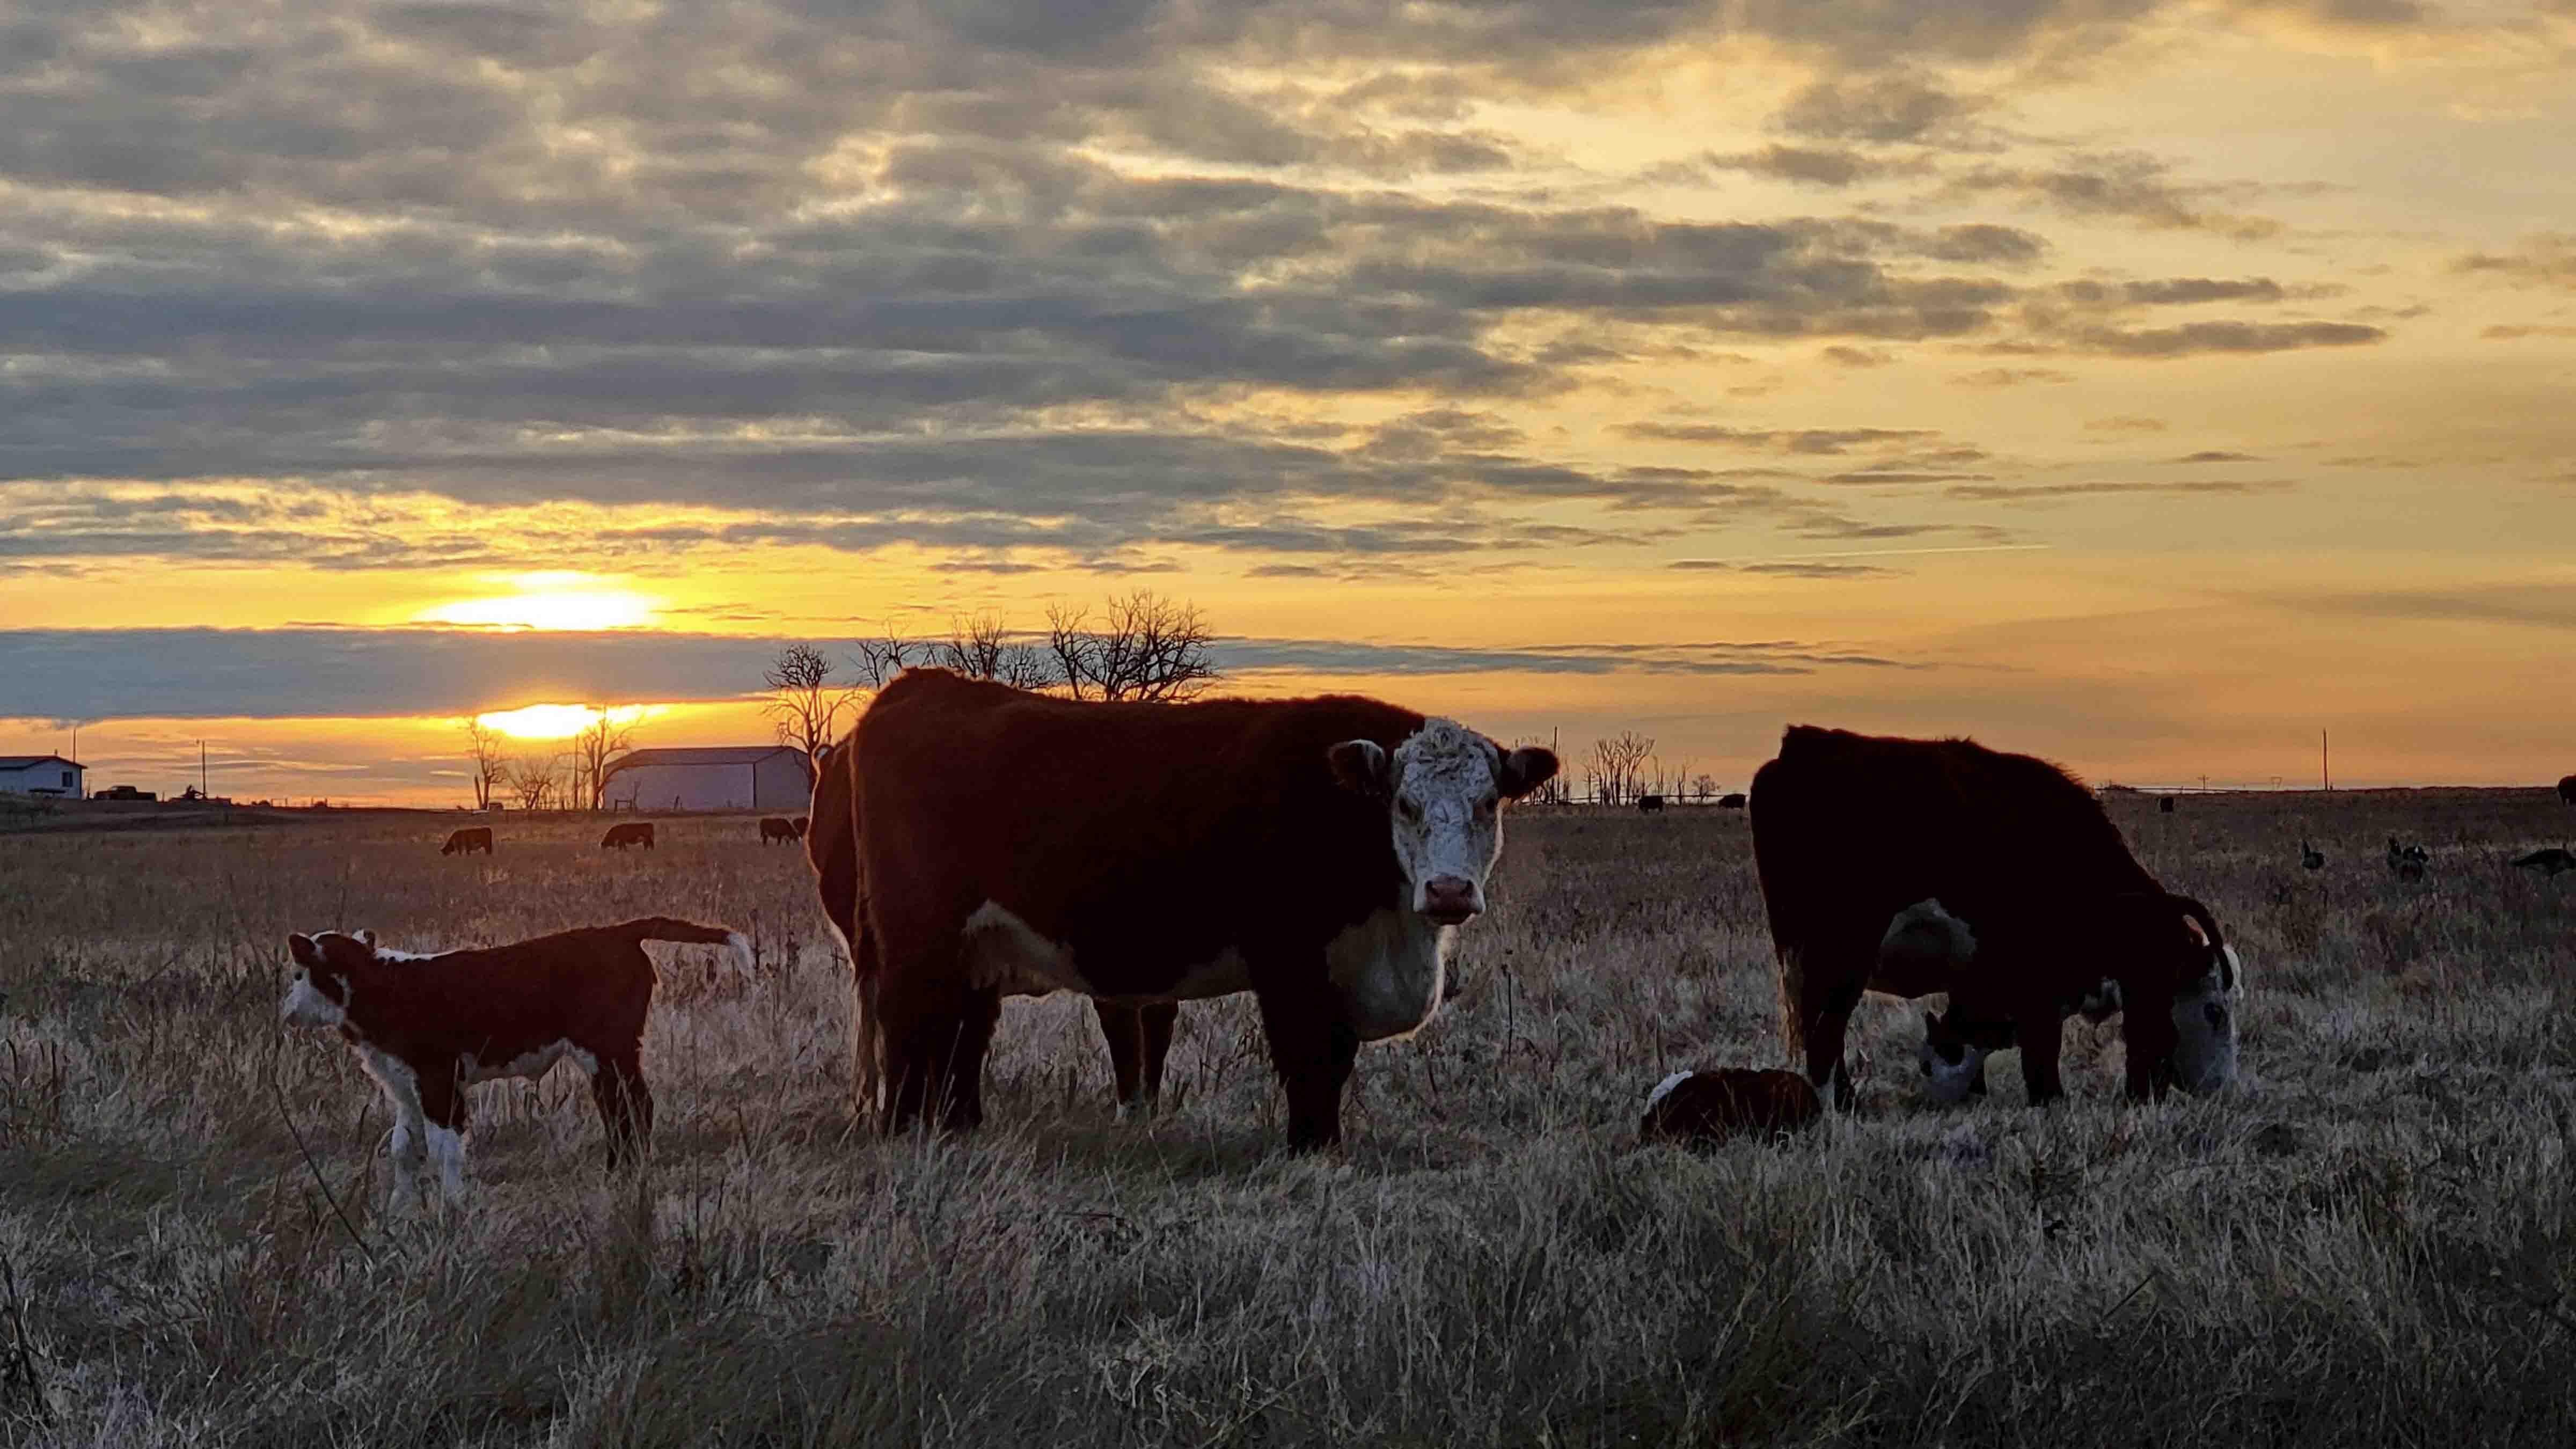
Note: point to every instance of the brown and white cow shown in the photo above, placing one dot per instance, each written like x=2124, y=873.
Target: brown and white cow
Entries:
x=468, y=840
x=427, y=1027
x=1866, y=845
x=635, y=832
x=1319, y=853
x=1139, y=1037
x=778, y=828
x=1707, y=1107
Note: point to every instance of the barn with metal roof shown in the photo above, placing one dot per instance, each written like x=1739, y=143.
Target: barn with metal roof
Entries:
x=746, y=777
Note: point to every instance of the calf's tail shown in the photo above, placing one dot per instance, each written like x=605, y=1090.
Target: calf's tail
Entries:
x=664, y=928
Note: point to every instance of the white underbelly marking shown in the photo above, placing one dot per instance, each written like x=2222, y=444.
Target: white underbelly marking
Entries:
x=1005, y=952
x=533, y=1065
x=1388, y=969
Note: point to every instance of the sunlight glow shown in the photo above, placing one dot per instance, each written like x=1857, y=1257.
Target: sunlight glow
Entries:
x=552, y=599
x=559, y=721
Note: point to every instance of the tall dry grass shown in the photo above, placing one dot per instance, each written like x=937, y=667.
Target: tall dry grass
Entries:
x=2371, y=1240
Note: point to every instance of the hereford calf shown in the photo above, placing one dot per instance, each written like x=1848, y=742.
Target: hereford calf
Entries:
x=1711, y=1106
x=428, y=1027
x=619, y=837
x=468, y=840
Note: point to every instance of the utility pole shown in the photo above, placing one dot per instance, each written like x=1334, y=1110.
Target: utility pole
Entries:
x=2325, y=761
x=201, y=769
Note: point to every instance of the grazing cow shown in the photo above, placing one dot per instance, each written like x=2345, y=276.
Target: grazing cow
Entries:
x=799, y=825
x=2310, y=858
x=1320, y=853
x=778, y=828
x=2549, y=862
x=428, y=1027
x=1649, y=804
x=1963, y=836
x=2408, y=862
x=1731, y=802
x=1139, y=1037
x=2164, y=804
x=468, y=840
x=2567, y=790
x=1711, y=1106
x=635, y=832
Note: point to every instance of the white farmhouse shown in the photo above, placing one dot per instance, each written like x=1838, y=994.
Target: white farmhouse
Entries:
x=751, y=777
x=41, y=775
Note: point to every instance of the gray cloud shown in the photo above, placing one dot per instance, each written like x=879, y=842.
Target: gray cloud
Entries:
x=1819, y=441
x=1875, y=109
x=105, y=674
x=2202, y=337
x=2546, y=259
x=1993, y=377
x=2059, y=492
x=2214, y=455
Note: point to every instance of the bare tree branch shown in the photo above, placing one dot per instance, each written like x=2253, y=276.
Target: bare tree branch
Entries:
x=593, y=750
x=805, y=704
x=483, y=748
x=1147, y=648
x=984, y=648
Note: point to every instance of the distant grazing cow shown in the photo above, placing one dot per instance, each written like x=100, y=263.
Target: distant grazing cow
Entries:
x=1320, y=853
x=2408, y=862
x=1649, y=804
x=773, y=827
x=799, y=825
x=636, y=832
x=1139, y=1038
x=1711, y=1106
x=428, y=1027
x=1994, y=877
x=2567, y=791
x=1731, y=802
x=2310, y=858
x=2164, y=804
x=469, y=840
x=2548, y=862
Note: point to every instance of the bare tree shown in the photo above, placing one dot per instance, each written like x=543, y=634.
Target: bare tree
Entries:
x=983, y=648
x=1704, y=786
x=1616, y=764
x=593, y=750
x=1603, y=773
x=881, y=658
x=1147, y=647
x=535, y=779
x=483, y=747
x=805, y=704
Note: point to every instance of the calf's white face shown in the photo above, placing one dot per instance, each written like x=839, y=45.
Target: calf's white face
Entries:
x=2204, y=1018
x=1443, y=789
x=316, y=995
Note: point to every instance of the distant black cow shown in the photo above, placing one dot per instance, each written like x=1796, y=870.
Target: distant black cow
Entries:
x=2164, y=804
x=2549, y=862
x=619, y=837
x=468, y=840
x=2567, y=791
x=778, y=828
x=1649, y=804
x=1731, y=802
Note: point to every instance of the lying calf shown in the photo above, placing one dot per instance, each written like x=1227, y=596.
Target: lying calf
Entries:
x=428, y=1027
x=1712, y=1106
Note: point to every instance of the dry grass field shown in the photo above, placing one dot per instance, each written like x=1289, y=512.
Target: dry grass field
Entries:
x=2372, y=1239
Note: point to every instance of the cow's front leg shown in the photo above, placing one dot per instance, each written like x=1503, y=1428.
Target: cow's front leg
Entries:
x=2037, y=1030
x=1311, y=1047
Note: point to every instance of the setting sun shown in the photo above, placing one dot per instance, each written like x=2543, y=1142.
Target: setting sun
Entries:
x=559, y=721
x=551, y=599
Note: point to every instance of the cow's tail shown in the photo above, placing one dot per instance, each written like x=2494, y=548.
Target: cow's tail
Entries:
x=664, y=928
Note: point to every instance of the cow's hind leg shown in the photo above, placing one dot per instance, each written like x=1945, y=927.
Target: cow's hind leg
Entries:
x=1139, y=1037
x=935, y=1055
x=625, y=1104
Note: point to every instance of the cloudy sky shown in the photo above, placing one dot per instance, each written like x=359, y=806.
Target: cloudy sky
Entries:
x=2147, y=385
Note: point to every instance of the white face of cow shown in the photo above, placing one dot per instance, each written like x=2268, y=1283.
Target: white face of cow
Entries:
x=2204, y=1018
x=317, y=995
x=1443, y=789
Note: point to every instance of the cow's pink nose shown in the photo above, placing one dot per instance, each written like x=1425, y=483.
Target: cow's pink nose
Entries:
x=1448, y=899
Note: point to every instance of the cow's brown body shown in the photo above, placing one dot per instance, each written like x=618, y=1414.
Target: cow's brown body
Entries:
x=2567, y=790
x=1712, y=1106
x=1139, y=1037
x=634, y=832
x=468, y=840
x=780, y=829
x=1849, y=830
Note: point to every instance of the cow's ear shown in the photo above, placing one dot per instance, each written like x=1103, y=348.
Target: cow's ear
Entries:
x=302, y=948
x=1361, y=766
x=1524, y=770
x=368, y=937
